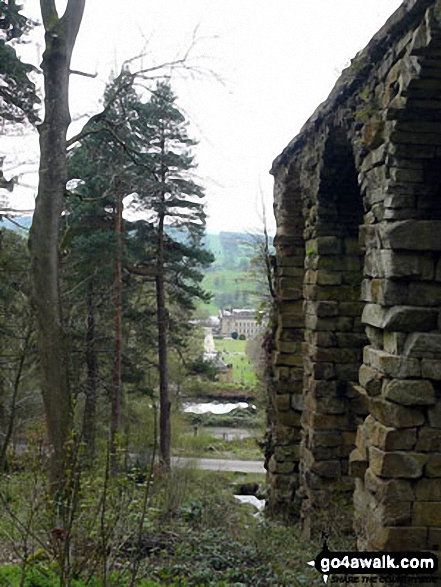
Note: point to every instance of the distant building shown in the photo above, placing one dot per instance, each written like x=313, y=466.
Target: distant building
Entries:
x=240, y=321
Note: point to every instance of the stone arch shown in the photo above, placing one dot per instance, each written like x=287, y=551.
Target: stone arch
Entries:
x=398, y=455
x=334, y=336
x=286, y=401
x=386, y=109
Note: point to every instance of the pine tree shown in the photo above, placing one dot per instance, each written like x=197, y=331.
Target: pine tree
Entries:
x=18, y=97
x=176, y=231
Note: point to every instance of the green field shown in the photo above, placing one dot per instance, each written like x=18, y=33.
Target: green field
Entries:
x=230, y=287
x=233, y=353
x=232, y=278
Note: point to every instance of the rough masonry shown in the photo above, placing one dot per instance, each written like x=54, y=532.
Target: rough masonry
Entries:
x=356, y=387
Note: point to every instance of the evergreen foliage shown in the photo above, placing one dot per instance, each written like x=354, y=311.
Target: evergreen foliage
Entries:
x=18, y=97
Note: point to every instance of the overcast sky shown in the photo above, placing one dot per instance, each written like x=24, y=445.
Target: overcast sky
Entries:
x=261, y=68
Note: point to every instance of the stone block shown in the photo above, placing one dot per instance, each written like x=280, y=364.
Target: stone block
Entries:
x=288, y=359
x=389, y=439
x=398, y=465
x=289, y=418
x=409, y=319
x=292, y=308
x=324, y=439
x=327, y=469
x=431, y=369
x=325, y=404
x=350, y=308
x=330, y=292
x=438, y=271
x=358, y=464
x=433, y=466
x=434, y=415
x=290, y=347
x=297, y=402
x=398, y=513
x=429, y=440
x=286, y=435
x=397, y=201
x=434, y=539
x=322, y=309
x=406, y=175
x=337, y=263
x=394, y=415
x=321, y=371
x=324, y=453
x=322, y=338
x=291, y=321
x=406, y=392
x=428, y=490
x=327, y=422
x=324, y=245
x=424, y=294
x=371, y=379
x=393, y=342
x=282, y=402
x=292, y=272
x=323, y=388
x=397, y=538
x=373, y=314
x=427, y=513
x=375, y=336
x=385, y=292
x=395, y=366
x=323, y=277
x=389, y=490
x=413, y=151
x=423, y=344
x=351, y=340
x=335, y=355
x=400, y=318
x=334, y=324
x=280, y=467
x=347, y=371
x=413, y=235
x=388, y=263
x=287, y=453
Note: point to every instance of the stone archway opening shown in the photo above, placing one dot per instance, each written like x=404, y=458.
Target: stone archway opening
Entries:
x=334, y=337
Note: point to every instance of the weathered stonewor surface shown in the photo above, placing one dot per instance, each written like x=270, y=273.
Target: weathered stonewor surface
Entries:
x=357, y=376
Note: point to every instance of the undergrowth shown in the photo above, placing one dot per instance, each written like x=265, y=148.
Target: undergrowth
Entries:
x=193, y=532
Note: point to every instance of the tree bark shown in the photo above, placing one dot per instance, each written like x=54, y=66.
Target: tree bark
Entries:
x=162, y=326
x=115, y=417
x=60, y=36
x=14, y=398
x=89, y=419
x=164, y=401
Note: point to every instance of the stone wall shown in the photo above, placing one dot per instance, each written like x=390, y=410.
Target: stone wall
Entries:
x=356, y=389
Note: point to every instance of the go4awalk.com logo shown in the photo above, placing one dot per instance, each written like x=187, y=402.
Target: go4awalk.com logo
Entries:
x=413, y=568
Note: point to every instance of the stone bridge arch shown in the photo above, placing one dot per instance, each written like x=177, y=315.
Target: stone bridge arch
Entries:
x=357, y=362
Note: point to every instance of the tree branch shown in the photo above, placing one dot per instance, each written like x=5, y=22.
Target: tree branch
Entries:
x=49, y=13
x=136, y=270
x=83, y=73
x=71, y=19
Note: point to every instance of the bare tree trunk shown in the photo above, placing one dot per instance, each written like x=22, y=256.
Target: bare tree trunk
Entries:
x=89, y=419
x=115, y=417
x=60, y=39
x=14, y=398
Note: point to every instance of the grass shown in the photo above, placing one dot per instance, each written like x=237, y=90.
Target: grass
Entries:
x=233, y=353
x=204, y=444
x=231, y=287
